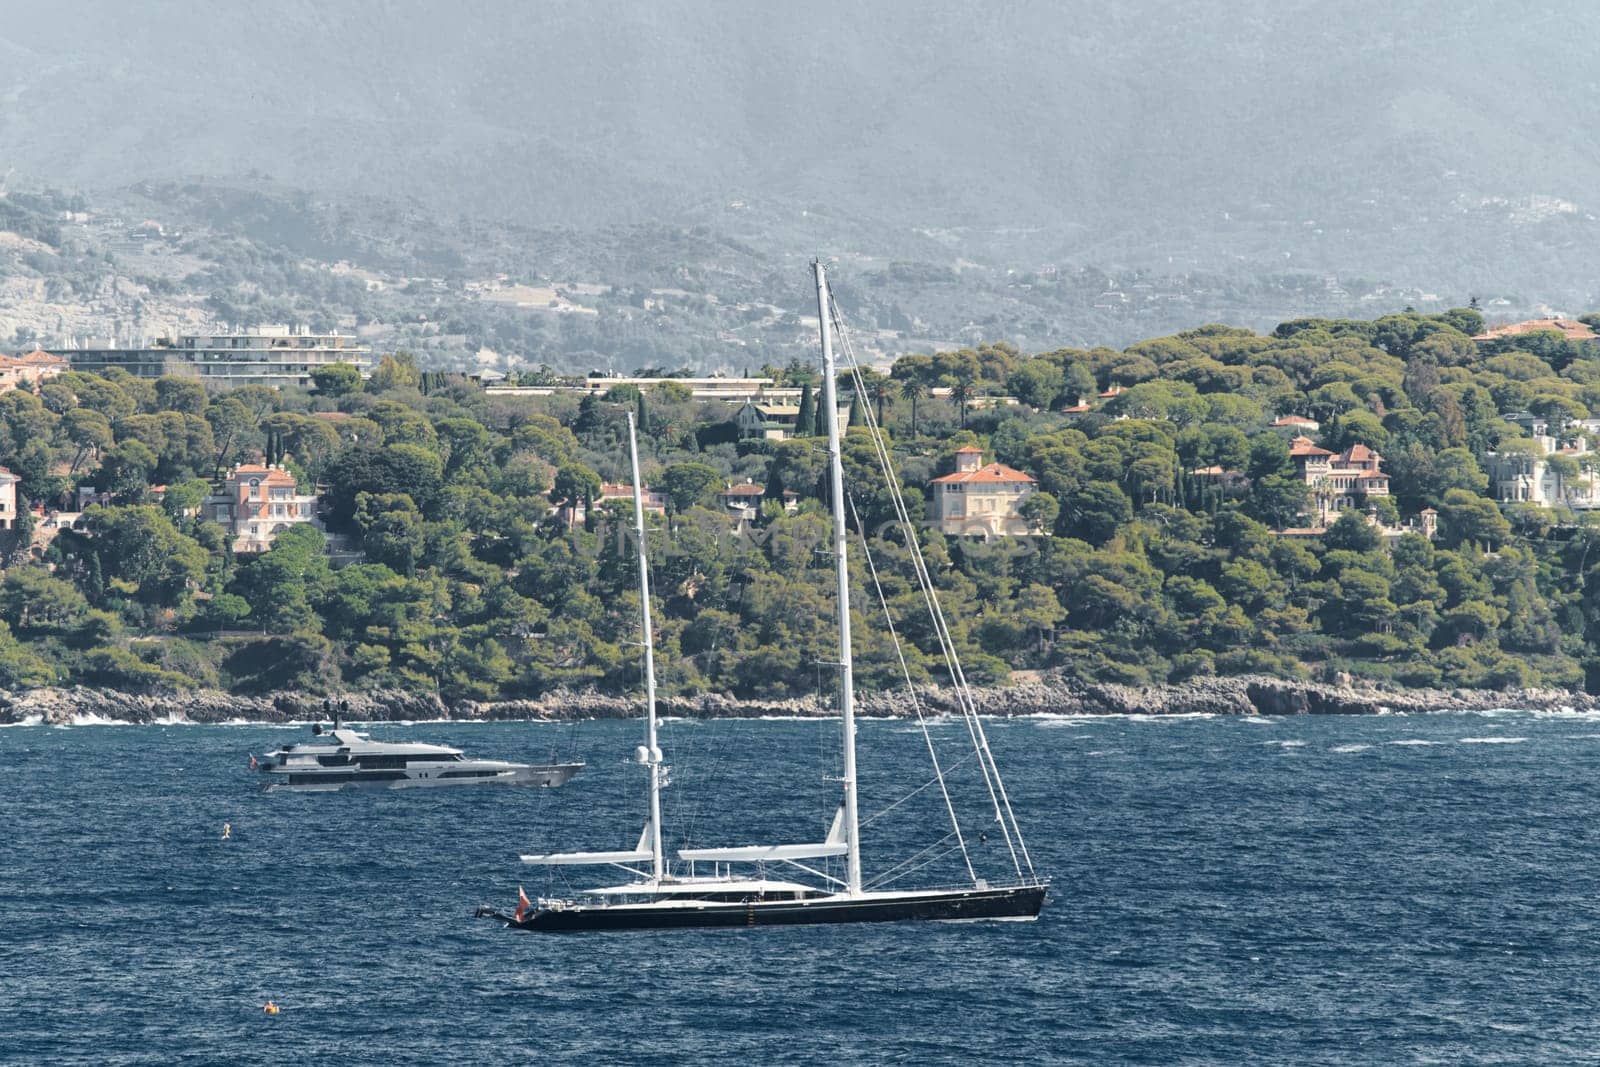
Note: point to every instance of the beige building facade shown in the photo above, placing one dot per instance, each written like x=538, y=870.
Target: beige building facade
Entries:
x=980, y=500
x=257, y=504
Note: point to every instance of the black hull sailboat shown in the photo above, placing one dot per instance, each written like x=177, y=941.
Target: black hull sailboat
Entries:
x=1010, y=903
x=659, y=896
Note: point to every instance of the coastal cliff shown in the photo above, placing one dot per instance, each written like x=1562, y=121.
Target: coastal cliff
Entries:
x=1247, y=695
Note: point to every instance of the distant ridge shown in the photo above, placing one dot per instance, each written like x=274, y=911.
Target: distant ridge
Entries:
x=1177, y=130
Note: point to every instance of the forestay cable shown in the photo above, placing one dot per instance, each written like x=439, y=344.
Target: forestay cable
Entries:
x=1004, y=815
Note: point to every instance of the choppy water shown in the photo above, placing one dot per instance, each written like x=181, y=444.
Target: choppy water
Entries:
x=1405, y=889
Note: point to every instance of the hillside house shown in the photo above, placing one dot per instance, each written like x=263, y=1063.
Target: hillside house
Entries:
x=773, y=421
x=1296, y=424
x=1338, y=480
x=29, y=371
x=654, y=500
x=743, y=500
x=1523, y=478
x=8, y=499
x=256, y=504
x=1569, y=329
x=980, y=500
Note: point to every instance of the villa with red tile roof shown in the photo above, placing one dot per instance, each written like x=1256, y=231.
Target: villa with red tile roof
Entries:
x=29, y=371
x=980, y=500
x=1570, y=329
x=258, y=503
x=1338, y=480
x=1298, y=423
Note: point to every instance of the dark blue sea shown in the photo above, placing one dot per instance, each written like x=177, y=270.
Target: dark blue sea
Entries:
x=1394, y=889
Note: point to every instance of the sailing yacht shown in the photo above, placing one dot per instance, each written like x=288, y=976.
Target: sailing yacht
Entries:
x=661, y=896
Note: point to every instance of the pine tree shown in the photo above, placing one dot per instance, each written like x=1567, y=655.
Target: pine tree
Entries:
x=807, y=417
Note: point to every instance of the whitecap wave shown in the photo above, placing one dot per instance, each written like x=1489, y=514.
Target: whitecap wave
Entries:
x=1141, y=717
x=91, y=719
x=1414, y=741
x=1351, y=748
x=26, y=720
x=1257, y=719
x=1286, y=744
x=1492, y=740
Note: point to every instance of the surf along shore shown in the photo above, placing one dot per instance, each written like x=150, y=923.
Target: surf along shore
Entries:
x=1217, y=696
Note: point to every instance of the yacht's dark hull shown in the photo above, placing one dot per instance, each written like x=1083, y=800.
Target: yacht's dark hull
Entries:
x=945, y=905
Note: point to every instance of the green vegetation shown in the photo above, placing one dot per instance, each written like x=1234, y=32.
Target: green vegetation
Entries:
x=470, y=577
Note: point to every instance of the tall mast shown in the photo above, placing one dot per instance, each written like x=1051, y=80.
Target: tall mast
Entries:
x=652, y=752
x=847, y=712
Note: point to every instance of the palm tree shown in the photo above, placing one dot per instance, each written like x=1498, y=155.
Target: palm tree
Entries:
x=880, y=389
x=961, y=394
x=913, y=389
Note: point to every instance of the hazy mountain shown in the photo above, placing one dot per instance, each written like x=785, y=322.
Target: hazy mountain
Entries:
x=1449, y=142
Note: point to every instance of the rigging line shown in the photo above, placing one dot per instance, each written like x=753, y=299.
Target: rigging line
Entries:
x=931, y=781
x=925, y=581
x=916, y=705
x=1007, y=821
x=991, y=773
x=687, y=817
x=880, y=882
x=905, y=866
x=958, y=673
x=915, y=857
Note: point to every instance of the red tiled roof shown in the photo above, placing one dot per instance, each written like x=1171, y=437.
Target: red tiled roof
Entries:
x=1571, y=330
x=266, y=474
x=1372, y=476
x=1115, y=390
x=994, y=472
x=33, y=359
x=969, y=448
x=1076, y=409
x=1302, y=446
x=1295, y=420
x=1359, y=453
x=744, y=490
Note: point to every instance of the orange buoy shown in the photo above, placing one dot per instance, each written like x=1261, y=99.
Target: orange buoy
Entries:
x=270, y=1008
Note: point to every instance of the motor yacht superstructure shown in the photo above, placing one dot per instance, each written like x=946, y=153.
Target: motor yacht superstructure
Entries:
x=343, y=758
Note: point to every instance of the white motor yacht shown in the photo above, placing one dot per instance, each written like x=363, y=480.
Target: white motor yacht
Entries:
x=342, y=758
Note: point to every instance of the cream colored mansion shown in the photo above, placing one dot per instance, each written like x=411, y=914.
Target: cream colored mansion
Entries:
x=980, y=500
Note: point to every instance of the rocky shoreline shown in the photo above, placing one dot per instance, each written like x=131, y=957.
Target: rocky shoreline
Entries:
x=1218, y=696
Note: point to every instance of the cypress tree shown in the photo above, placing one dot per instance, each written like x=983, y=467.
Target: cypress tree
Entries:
x=642, y=416
x=808, y=412
x=856, y=418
